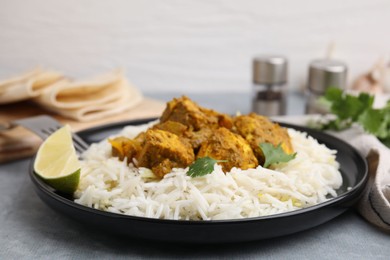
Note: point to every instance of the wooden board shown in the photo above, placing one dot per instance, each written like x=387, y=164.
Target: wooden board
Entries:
x=18, y=142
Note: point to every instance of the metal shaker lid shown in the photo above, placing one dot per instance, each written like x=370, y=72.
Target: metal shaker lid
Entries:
x=326, y=73
x=270, y=69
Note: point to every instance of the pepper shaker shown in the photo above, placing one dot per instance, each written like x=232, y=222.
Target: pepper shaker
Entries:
x=324, y=73
x=269, y=85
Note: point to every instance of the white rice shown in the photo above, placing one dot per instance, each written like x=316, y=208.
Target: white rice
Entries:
x=112, y=185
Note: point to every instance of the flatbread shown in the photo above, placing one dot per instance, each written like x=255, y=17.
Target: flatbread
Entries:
x=77, y=94
x=93, y=99
x=28, y=85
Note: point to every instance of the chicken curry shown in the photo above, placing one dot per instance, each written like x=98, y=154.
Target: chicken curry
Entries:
x=187, y=131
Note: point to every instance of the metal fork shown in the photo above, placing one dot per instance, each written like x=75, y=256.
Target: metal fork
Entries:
x=43, y=126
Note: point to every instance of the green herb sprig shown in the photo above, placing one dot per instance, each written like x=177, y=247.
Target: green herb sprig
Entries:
x=275, y=154
x=350, y=109
x=202, y=166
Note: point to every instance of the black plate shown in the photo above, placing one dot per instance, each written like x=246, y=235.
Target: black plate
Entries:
x=353, y=168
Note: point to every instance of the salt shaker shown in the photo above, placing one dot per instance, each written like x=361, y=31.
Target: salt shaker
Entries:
x=269, y=85
x=324, y=73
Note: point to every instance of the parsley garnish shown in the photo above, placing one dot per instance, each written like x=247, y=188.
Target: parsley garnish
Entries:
x=350, y=109
x=202, y=166
x=274, y=154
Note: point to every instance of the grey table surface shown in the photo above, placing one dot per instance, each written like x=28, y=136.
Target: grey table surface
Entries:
x=29, y=229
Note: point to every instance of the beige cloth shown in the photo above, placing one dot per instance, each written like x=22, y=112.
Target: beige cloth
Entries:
x=27, y=85
x=374, y=205
x=92, y=99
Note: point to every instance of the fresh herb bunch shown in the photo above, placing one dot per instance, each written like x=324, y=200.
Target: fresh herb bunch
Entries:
x=350, y=109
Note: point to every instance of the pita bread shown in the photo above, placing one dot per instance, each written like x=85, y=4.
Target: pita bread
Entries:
x=92, y=99
x=27, y=85
x=71, y=95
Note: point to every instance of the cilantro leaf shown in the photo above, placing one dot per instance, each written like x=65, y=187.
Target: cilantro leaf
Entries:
x=274, y=154
x=202, y=166
x=372, y=120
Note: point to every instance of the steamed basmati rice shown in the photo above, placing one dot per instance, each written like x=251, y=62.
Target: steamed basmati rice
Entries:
x=112, y=185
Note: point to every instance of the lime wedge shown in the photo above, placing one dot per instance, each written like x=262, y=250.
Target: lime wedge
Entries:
x=57, y=163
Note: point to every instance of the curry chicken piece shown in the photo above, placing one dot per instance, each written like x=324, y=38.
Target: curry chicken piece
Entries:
x=190, y=121
x=195, y=138
x=173, y=127
x=123, y=147
x=162, y=151
x=257, y=129
x=225, y=145
x=188, y=113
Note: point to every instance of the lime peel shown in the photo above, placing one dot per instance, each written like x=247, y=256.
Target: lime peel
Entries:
x=66, y=184
x=57, y=162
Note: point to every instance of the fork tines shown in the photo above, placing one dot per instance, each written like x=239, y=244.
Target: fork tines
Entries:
x=44, y=126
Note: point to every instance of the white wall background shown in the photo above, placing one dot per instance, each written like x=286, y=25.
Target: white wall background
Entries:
x=188, y=46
